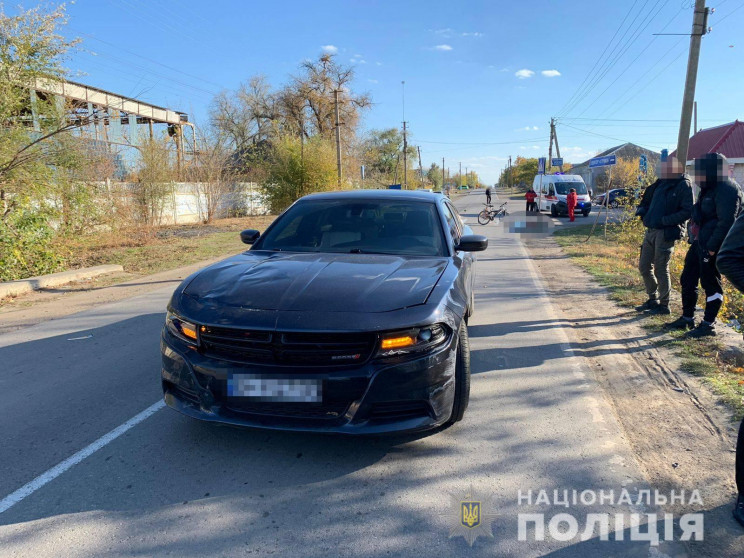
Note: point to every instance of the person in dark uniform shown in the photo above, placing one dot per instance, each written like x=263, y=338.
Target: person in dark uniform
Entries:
x=731, y=265
x=488, y=195
x=713, y=215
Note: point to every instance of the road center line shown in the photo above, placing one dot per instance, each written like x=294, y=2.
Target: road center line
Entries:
x=48, y=476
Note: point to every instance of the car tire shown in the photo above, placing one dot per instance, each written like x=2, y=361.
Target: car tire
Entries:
x=585, y=213
x=462, y=375
x=614, y=204
x=471, y=307
x=553, y=211
x=484, y=218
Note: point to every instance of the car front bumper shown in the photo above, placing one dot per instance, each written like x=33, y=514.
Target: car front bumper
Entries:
x=378, y=397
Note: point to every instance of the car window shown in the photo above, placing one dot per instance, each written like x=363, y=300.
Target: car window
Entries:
x=361, y=226
x=452, y=222
x=564, y=187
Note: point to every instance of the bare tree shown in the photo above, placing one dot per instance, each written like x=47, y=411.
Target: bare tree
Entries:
x=214, y=174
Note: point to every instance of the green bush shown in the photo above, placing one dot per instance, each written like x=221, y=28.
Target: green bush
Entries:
x=26, y=248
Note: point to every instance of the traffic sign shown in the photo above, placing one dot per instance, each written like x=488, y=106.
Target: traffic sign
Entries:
x=606, y=161
x=643, y=163
x=556, y=162
x=541, y=165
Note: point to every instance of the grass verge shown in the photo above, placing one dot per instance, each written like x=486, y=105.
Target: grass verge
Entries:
x=613, y=263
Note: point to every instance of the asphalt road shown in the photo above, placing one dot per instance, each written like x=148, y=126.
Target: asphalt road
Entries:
x=161, y=484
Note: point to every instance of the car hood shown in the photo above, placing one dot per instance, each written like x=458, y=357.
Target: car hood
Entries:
x=304, y=282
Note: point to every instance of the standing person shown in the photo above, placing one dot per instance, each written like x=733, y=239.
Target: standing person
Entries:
x=665, y=207
x=571, y=201
x=530, y=196
x=488, y=195
x=731, y=265
x=713, y=215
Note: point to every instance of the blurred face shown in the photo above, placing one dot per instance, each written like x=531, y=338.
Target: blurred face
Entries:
x=671, y=168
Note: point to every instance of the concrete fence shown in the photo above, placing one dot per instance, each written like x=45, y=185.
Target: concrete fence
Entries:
x=187, y=202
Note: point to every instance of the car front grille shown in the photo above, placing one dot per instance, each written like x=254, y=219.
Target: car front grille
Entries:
x=286, y=348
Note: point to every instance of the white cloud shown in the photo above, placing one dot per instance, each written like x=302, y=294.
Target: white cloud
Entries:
x=443, y=48
x=527, y=129
x=329, y=49
x=524, y=74
x=473, y=34
x=505, y=70
x=378, y=63
x=445, y=31
x=550, y=73
x=373, y=81
x=535, y=147
x=358, y=56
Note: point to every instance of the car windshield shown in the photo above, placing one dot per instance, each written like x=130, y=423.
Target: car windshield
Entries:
x=564, y=187
x=364, y=226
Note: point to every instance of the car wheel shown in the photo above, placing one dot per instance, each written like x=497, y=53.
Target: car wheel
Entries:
x=484, y=218
x=553, y=211
x=585, y=213
x=614, y=204
x=462, y=375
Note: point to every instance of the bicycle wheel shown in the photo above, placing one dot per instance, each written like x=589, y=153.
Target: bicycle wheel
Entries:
x=484, y=217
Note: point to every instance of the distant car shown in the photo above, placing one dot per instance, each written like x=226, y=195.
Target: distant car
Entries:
x=617, y=197
x=348, y=314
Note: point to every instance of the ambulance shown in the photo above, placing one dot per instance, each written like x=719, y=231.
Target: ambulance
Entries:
x=552, y=190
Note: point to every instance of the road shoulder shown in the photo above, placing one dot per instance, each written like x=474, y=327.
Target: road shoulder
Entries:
x=681, y=433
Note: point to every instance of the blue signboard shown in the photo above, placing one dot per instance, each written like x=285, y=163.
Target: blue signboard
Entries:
x=602, y=161
x=394, y=187
x=643, y=163
x=664, y=155
x=557, y=161
x=541, y=165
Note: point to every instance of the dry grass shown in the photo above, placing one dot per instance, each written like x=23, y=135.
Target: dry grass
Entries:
x=614, y=264
x=145, y=251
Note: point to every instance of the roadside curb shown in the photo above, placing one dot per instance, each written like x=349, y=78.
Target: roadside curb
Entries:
x=15, y=288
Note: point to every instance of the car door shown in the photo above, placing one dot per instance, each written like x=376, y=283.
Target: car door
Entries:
x=465, y=261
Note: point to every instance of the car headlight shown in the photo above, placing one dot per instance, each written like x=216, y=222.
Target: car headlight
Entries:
x=182, y=329
x=414, y=340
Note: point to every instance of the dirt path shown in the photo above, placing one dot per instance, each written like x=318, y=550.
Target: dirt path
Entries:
x=681, y=434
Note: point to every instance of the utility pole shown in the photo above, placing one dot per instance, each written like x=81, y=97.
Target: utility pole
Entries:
x=338, y=139
x=694, y=119
x=405, y=158
x=442, y=174
x=699, y=24
x=421, y=168
x=510, y=173
x=549, y=162
x=461, y=175
x=557, y=149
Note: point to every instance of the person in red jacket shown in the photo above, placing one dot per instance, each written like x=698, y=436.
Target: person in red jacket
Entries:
x=530, y=196
x=571, y=201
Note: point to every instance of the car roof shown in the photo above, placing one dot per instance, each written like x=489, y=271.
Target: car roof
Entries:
x=408, y=195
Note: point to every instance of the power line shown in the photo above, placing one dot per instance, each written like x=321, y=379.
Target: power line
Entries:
x=593, y=81
x=88, y=35
x=600, y=58
x=634, y=37
x=609, y=137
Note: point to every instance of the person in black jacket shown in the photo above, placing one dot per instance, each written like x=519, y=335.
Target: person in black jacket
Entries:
x=713, y=215
x=665, y=207
x=731, y=265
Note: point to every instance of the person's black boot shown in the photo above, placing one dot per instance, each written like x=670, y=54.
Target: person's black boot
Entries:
x=704, y=329
x=650, y=304
x=739, y=510
x=681, y=323
x=661, y=309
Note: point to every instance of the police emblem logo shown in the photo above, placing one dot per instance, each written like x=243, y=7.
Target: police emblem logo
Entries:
x=470, y=514
x=470, y=517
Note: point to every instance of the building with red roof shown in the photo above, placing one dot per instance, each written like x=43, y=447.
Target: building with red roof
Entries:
x=727, y=139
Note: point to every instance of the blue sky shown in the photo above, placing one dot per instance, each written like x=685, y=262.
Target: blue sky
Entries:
x=482, y=78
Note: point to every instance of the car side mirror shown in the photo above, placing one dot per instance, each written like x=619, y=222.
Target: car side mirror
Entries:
x=249, y=236
x=472, y=243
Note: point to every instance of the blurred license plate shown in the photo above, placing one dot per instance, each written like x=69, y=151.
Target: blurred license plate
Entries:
x=260, y=388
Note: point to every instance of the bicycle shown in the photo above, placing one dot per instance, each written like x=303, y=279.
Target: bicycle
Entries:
x=489, y=213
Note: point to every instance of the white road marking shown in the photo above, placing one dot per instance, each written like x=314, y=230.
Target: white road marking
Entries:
x=48, y=476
